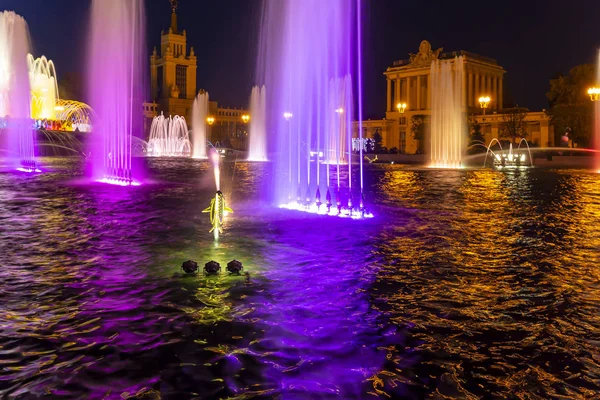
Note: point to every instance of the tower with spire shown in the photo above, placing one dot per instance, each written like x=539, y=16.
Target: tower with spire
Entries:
x=173, y=71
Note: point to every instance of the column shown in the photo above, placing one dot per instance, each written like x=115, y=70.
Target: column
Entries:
x=500, y=93
x=494, y=93
x=488, y=85
x=470, y=94
x=429, y=91
x=477, y=86
x=409, y=104
x=389, y=96
x=418, y=92
x=405, y=93
x=397, y=80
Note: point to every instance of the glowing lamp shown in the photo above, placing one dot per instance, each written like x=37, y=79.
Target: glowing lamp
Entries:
x=401, y=107
x=210, y=120
x=287, y=115
x=339, y=110
x=594, y=93
x=245, y=118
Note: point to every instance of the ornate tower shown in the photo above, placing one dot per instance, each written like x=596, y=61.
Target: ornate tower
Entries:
x=173, y=71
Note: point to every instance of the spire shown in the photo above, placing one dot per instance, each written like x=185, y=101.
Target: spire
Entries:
x=174, y=4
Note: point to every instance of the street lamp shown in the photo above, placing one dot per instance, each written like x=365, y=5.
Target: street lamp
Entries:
x=210, y=120
x=339, y=110
x=401, y=107
x=594, y=93
x=245, y=118
x=484, y=102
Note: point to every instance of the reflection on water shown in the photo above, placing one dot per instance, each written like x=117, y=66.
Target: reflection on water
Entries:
x=467, y=284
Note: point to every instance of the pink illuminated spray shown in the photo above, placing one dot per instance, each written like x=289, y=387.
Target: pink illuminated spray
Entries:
x=15, y=102
x=115, y=86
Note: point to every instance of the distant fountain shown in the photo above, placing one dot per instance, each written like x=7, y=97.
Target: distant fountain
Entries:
x=44, y=88
x=115, y=86
x=15, y=104
x=169, y=137
x=257, y=148
x=199, y=115
x=309, y=63
x=448, y=127
x=511, y=158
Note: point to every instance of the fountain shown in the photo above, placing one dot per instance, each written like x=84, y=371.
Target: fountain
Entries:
x=169, y=137
x=199, y=114
x=15, y=104
x=257, y=148
x=115, y=86
x=44, y=88
x=217, y=209
x=309, y=63
x=448, y=130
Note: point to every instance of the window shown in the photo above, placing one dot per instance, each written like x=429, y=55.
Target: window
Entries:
x=159, y=82
x=402, y=142
x=181, y=80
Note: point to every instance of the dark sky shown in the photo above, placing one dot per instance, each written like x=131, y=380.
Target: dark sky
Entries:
x=532, y=40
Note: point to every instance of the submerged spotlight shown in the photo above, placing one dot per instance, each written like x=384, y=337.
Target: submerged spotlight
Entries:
x=234, y=267
x=189, y=267
x=212, y=268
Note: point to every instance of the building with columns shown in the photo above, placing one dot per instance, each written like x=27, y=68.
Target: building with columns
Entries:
x=173, y=72
x=409, y=84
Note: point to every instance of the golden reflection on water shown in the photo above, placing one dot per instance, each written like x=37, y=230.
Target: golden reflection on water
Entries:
x=493, y=279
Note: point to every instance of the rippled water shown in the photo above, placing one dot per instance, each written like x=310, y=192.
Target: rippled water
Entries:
x=467, y=284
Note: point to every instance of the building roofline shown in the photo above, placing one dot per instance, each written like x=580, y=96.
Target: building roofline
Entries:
x=448, y=55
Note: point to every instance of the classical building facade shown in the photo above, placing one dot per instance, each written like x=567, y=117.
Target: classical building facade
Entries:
x=173, y=72
x=173, y=89
x=409, y=84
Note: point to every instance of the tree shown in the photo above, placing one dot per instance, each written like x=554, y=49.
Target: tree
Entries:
x=377, y=139
x=417, y=128
x=512, y=124
x=475, y=134
x=570, y=105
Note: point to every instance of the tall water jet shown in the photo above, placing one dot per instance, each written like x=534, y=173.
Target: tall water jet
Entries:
x=595, y=95
x=15, y=104
x=308, y=63
x=199, y=115
x=448, y=126
x=257, y=147
x=169, y=137
x=116, y=86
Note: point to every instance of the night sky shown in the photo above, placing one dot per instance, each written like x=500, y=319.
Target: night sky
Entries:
x=532, y=40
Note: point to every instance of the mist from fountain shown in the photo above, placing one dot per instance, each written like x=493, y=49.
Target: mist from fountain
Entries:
x=116, y=86
x=257, y=146
x=448, y=133
x=199, y=115
x=308, y=64
x=169, y=137
x=15, y=106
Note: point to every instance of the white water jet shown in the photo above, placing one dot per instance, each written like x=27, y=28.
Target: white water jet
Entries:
x=169, y=137
x=257, y=147
x=15, y=103
x=199, y=114
x=448, y=126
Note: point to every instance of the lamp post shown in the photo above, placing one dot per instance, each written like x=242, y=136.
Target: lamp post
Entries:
x=401, y=107
x=484, y=102
x=245, y=118
x=288, y=116
x=210, y=121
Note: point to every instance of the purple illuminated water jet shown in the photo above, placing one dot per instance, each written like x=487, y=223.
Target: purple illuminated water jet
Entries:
x=308, y=62
x=115, y=84
x=15, y=103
